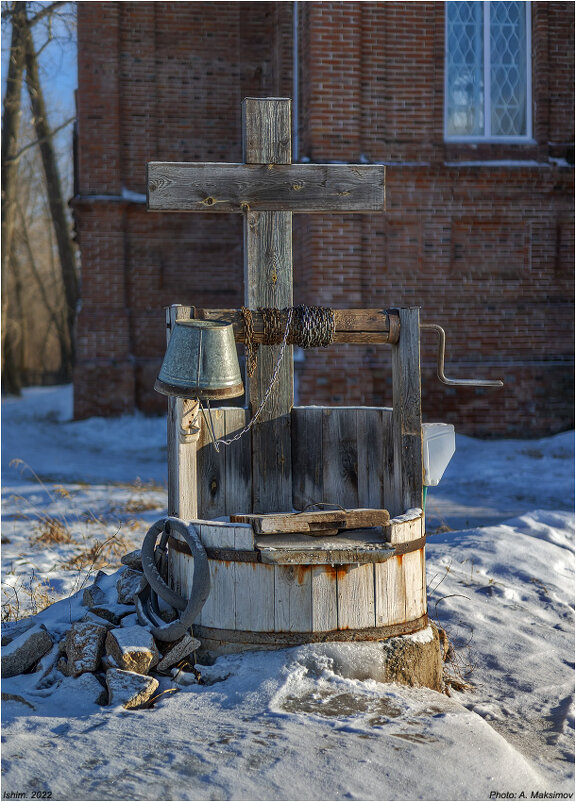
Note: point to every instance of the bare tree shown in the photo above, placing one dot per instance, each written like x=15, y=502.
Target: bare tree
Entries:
x=24, y=70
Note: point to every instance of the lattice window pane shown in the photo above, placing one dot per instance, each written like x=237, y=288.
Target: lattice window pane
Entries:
x=465, y=69
x=487, y=63
x=508, y=68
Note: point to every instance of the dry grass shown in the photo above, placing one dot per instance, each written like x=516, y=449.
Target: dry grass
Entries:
x=100, y=554
x=86, y=542
x=29, y=594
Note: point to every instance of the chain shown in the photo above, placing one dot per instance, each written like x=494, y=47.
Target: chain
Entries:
x=315, y=326
x=306, y=326
x=273, y=380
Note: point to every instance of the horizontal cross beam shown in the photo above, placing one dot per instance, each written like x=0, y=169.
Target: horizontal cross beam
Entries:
x=351, y=325
x=218, y=187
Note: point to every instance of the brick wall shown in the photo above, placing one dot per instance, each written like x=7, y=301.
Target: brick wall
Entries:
x=479, y=236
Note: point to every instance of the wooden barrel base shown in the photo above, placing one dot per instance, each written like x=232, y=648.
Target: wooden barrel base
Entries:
x=284, y=640
x=406, y=660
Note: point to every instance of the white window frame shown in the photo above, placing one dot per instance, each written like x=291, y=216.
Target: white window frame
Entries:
x=487, y=136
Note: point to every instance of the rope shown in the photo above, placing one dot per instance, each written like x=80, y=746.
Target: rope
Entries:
x=251, y=346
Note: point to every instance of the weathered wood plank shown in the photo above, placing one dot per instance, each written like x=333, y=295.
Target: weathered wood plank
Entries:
x=415, y=591
x=371, y=457
x=254, y=589
x=307, y=461
x=407, y=415
x=292, y=599
x=355, y=596
x=238, y=461
x=217, y=535
x=211, y=468
x=404, y=528
x=351, y=325
x=340, y=456
x=266, y=130
x=243, y=537
x=324, y=599
x=225, y=188
x=220, y=608
x=390, y=592
x=268, y=282
x=315, y=521
x=182, y=441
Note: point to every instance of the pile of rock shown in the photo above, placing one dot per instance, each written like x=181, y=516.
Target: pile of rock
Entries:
x=107, y=646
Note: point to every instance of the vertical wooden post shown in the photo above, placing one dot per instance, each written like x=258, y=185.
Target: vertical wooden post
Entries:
x=268, y=282
x=407, y=414
x=183, y=434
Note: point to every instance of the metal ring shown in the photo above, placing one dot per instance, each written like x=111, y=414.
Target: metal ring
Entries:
x=146, y=604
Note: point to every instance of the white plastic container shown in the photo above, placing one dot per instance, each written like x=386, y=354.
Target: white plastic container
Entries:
x=438, y=445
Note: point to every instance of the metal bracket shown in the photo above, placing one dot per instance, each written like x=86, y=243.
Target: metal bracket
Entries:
x=440, y=364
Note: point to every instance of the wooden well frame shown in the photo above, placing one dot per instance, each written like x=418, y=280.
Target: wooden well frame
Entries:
x=271, y=591
x=268, y=591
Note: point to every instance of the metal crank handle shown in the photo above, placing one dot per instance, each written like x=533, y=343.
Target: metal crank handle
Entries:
x=440, y=364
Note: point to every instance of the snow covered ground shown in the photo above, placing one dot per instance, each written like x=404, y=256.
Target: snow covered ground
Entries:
x=306, y=723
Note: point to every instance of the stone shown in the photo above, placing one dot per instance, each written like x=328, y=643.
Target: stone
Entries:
x=129, y=689
x=12, y=629
x=25, y=650
x=94, y=594
x=132, y=649
x=84, y=647
x=111, y=612
x=133, y=560
x=62, y=666
x=130, y=620
x=130, y=583
x=46, y=667
x=178, y=651
x=98, y=619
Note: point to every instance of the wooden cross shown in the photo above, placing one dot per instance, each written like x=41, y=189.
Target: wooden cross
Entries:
x=267, y=188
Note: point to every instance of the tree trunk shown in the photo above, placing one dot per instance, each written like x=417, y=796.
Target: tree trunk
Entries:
x=54, y=186
x=11, y=382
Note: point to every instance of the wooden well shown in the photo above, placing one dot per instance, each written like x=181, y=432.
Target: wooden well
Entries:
x=271, y=590
x=276, y=590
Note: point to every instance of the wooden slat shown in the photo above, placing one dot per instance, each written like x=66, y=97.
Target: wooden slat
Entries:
x=314, y=521
x=407, y=416
x=220, y=607
x=265, y=121
x=404, y=528
x=268, y=282
x=211, y=469
x=307, y=462
x=390, y=592
x=340, y=456
x=324, y=599
x=356, y=596
x=225, y=188
x=182, y=449
x=238, y=462
x=351, y=325
x=254, y=597
x=217, y=535
x=415, y=590
x=292, y=599
x=371, y=456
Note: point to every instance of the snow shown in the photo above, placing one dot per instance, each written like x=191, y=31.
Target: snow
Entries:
x=311, y=722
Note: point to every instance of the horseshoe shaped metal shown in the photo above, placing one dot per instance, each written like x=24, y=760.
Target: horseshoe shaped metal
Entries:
x=147, y=606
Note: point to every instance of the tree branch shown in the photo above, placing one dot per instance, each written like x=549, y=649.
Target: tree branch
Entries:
x=52, y=133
